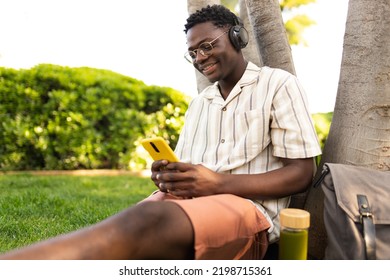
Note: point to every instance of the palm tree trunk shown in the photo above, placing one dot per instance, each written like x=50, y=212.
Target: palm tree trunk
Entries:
x=266, y=18
x=360, y=130
x=251, y=51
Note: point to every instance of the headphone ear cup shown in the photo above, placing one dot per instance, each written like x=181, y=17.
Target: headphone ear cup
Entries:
x=238, y=36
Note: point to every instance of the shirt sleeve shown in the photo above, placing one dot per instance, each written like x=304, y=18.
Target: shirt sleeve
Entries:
x=292, y=130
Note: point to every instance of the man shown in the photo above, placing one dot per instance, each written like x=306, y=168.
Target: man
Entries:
x=248, y=144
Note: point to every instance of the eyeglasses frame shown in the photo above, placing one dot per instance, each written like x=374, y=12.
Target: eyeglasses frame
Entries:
x=195, y=51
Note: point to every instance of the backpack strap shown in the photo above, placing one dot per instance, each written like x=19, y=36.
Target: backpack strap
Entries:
x=367, y=221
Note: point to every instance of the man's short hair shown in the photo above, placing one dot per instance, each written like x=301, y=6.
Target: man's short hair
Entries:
x=219, y=15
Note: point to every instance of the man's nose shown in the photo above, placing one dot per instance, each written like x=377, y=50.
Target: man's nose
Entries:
x=200, y=56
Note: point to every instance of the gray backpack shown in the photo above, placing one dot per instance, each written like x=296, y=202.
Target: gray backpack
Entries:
x=356, y=212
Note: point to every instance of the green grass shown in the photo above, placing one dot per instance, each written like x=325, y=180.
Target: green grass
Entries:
x=34, y=208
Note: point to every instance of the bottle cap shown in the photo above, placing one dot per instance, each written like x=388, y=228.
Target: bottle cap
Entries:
x=294, y=218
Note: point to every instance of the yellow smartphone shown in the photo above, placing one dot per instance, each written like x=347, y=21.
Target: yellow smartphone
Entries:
x=159, y=149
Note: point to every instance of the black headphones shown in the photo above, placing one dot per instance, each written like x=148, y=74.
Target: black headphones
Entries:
x=238, y=35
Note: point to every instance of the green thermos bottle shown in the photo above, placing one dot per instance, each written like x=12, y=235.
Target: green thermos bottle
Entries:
x=294, y=234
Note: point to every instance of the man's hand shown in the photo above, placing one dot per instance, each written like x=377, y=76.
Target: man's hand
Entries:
x=184, y=179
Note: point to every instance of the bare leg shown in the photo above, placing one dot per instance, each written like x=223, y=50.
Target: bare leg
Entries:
x=150, y=230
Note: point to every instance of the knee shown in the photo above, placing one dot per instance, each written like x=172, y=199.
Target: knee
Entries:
x=160, y=230
x=154, y=218
x=149, y=215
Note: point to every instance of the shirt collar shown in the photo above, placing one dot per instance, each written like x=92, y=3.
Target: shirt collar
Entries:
x=250, y=76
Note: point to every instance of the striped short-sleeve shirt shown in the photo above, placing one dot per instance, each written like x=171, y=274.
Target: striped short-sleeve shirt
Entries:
x=264, y=118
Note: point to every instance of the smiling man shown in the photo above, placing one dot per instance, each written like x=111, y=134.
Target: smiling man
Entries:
x=217, y=59
x=247, y=145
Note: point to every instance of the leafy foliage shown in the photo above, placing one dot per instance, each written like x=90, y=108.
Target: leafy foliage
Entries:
x=290, y=4
x=322, y=122
x=295, y=25
x=54, y=117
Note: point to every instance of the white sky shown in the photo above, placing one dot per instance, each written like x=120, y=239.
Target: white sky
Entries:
x=145, y=40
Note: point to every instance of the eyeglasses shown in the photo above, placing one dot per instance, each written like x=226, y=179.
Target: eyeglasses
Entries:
x=205, y=49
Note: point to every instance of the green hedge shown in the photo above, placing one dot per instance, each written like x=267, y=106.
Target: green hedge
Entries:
x=322, y=122
x=54, y=117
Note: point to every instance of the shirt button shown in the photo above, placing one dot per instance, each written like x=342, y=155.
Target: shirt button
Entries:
x=224, y=109
x=223, y=141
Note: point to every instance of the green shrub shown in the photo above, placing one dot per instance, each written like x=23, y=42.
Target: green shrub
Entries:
x=322, y=122
x=54, y=117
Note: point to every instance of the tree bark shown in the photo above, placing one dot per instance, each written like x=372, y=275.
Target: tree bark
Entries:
x=251, y=51
x=360, y=130
x=270, y=34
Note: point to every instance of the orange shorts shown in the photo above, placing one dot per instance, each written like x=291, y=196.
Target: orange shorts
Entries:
x=226, y=226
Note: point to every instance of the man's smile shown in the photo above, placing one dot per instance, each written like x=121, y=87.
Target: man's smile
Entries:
x=208, y=68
